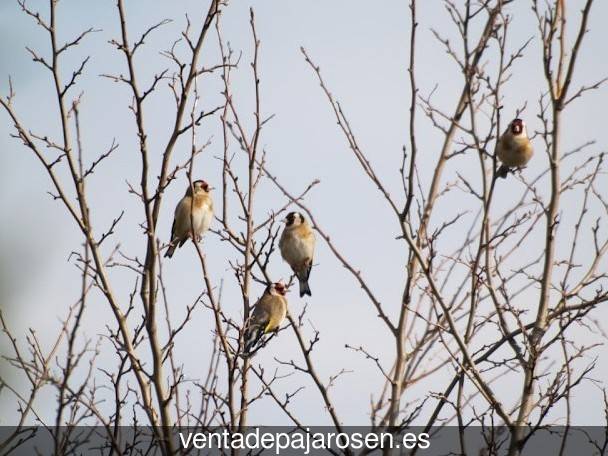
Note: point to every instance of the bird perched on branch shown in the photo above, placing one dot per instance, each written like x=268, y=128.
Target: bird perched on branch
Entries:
x=193, y=214
x=514, y=148
x=268, y=314
x=297, y=246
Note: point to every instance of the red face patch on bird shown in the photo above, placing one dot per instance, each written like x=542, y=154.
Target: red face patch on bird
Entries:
x=201, y=184
x=517, y=126
x=280, y=288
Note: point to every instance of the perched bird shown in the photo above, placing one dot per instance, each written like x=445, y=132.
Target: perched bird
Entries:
x=297, y=246
x=191, y=212
x=514, y=148
x=268, y=314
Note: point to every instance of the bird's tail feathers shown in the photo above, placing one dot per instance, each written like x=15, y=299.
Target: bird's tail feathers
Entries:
x=253, y=335
x=307, y=270
x=170, y=251
x=304, y=287
x=502, y=172
x=303, y=276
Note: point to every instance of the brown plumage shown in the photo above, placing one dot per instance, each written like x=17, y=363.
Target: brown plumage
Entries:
x=297, y=245
x=514, y=148
x=268, y=314
x=197, y=211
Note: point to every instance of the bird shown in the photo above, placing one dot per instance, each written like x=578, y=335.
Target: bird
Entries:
x=514, y=148
x=268, y=314
x=297, y=245
x=191, y=213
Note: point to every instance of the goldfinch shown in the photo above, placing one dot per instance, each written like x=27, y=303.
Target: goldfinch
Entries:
x=514, y=148
x=297, y=245
x=268, y=314
x=191, y=212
